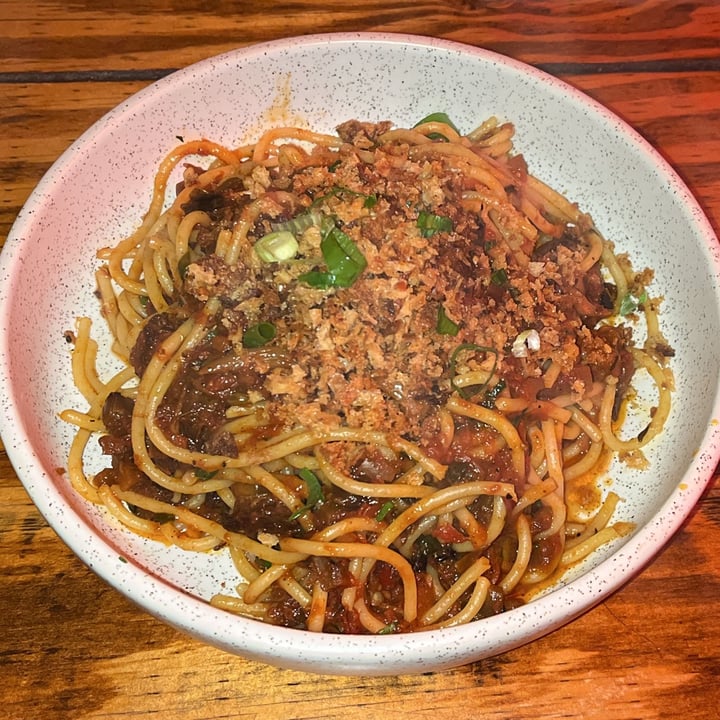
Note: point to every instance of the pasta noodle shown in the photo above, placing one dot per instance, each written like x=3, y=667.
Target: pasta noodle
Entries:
x=373, y=366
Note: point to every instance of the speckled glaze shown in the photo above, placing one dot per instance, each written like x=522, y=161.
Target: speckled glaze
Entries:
x=98, y=190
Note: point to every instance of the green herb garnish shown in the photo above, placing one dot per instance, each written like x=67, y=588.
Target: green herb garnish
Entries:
x=429, y=223
x=471, y=347
x=345, y=263
x=302, y=222
x=384, y=510
x=438, y=117
x=388, y=629
x=276, y=246
x=499, y=277
x=444, y=325
x=315, y=493
x=630, y=303
x=258, y=335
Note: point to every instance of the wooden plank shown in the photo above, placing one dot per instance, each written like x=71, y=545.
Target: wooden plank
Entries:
x=47, y=36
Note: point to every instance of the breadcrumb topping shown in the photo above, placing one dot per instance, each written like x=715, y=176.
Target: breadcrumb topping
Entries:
x=372, y=355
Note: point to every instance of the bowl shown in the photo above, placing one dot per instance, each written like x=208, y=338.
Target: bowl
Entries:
x=99, y=188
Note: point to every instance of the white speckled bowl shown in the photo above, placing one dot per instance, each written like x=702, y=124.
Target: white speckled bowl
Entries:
x=98, y=189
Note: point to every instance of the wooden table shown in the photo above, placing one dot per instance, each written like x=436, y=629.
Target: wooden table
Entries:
x=72, y=647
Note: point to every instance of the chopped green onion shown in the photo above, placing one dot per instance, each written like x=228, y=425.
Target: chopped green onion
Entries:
x=301, y=222
x=445, y=326
x=204, y=474
x=471, y=347
x=389, y=629
x=525, y=341
x=338, y=249
x=384, y=510
x=317, y=279
x=258, y=335
x=277, y=246
x=429, y=223
x=630, y=303
x=499, y=277
x=345, y=263
x=438, y=117
x=370, y=201
x=315, y=493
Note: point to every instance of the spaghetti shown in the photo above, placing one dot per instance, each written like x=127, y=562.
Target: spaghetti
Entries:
x=382, y=367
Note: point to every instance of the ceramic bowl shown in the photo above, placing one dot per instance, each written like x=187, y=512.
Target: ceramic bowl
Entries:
x=98, y=190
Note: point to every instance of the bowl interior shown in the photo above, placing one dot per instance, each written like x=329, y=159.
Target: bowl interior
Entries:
x=97, y=192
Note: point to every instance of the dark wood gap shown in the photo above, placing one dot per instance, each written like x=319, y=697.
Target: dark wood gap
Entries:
x=687, y=65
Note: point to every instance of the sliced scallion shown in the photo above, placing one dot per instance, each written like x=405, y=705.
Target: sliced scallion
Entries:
x=499, y=277
x=258, y=335
x=277, y=246
x=445, y=326
x=630, y=303
x=344, y=261
x=388, y=629
x=314, y=490
x=438, y=117
x=527, y=340
x=300, y=223
x=384, y=510
x=477, y=349
x=429, y=223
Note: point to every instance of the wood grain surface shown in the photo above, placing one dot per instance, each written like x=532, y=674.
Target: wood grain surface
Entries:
x=71, y=647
